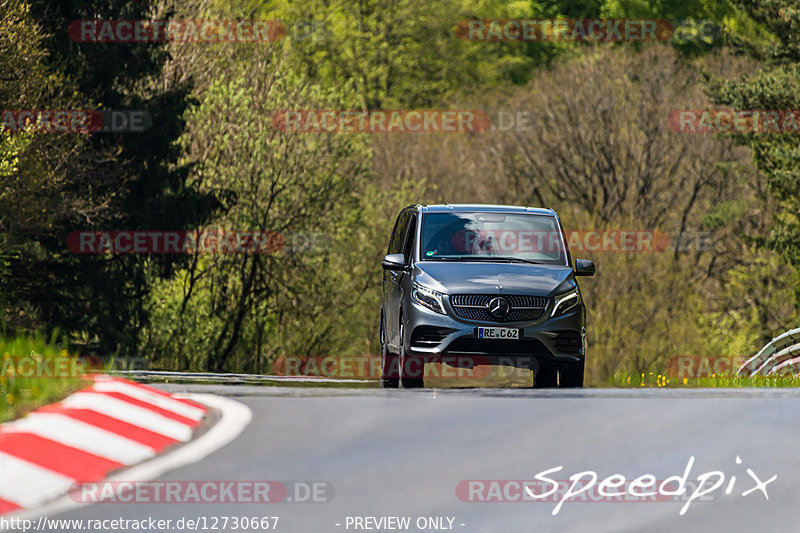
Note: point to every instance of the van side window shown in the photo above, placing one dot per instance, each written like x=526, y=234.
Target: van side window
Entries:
x=398, y=234
x=408, y=249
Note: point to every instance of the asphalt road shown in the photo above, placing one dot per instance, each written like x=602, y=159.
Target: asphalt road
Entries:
x=403, y=453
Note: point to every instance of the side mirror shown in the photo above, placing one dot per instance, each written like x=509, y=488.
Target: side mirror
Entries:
x=394, y=262
x=584, y=267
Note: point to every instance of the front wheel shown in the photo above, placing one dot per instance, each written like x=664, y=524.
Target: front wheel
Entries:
x=546, y=377
x=571, y=376
x=389, y=369
x=406, y=371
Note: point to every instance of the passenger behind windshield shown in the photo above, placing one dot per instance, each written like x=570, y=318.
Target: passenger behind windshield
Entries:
x=492, y=235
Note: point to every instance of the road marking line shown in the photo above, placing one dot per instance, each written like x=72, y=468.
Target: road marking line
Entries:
x=234, y=419
x=25, y=484
x=8, y=507
x=127, y=412
x=145, y=405
x=83, y=436
x=187, y=401
x=145, y=395
x=56, y=457
x=133, y=432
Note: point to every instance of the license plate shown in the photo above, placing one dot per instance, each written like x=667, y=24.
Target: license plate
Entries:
x=497, y=333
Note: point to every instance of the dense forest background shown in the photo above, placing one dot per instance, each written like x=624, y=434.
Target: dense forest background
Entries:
x=596, y=147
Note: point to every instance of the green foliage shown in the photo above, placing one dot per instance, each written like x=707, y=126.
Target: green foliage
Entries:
x=774, y=87
x=11, y=146
x=34, y=371
x=71, y=182
x=268, y=181
x=724, y=212
x=700, y=26
x=653, y=380
x=400, y=53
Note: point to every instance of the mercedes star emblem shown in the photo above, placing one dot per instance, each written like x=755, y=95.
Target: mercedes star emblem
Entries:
x=499, y=307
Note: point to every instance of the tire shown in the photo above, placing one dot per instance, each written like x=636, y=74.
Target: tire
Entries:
x=388, y=362
x=406, y=382
x=571, y=376
x=546, y=377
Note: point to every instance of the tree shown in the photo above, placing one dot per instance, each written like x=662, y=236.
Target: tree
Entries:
x=774, y=87
x=124, y=181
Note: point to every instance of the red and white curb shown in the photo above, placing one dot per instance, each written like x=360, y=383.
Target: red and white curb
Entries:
x=108, y=426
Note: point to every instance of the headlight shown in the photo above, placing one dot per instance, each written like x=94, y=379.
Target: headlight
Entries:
x=427, y=298
x=565, y=302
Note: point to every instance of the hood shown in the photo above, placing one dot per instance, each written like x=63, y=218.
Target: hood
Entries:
x=484, y=277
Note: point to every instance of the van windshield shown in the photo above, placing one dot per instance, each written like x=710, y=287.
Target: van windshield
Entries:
x=492, y=236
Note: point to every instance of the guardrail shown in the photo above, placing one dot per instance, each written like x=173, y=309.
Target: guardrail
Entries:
x=780, y=353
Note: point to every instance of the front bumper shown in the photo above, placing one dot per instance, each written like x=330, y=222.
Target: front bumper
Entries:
x=544, y=341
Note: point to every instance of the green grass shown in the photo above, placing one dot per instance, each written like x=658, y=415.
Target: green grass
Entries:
x=35, y=372
x=655, y=380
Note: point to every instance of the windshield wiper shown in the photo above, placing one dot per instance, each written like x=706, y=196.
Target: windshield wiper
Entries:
x=510, y=260
x=483, y=258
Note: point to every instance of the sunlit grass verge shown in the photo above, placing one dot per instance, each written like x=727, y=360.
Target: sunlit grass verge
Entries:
x=652, y=379
x=35, y=372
